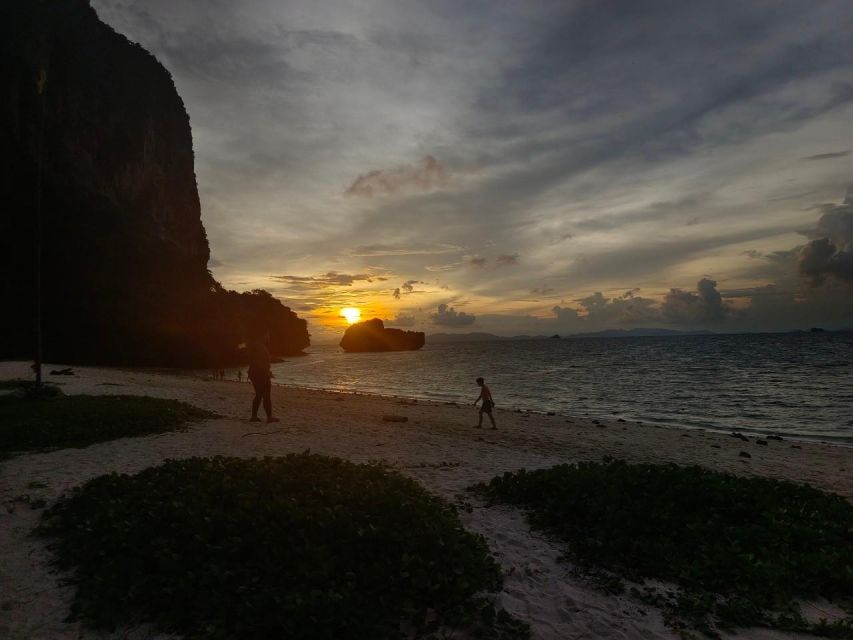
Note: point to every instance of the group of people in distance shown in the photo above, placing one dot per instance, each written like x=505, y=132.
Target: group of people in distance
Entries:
x=260, y=374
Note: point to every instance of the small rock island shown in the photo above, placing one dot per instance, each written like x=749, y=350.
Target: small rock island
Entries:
x=372, y=335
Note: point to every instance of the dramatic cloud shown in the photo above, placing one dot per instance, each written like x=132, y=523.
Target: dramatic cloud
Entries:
x=329, y=279
x=831, y=253
x=338, y=141
x=448, y=317
x=429, y=175
x=625, y=310
x=686, y=308
x=401, y=320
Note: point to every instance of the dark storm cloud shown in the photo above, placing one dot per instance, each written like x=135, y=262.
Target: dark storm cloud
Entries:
x=428, y=175
x=828, y=156
x=446, y=316
x=686, y=308
x=831, y=251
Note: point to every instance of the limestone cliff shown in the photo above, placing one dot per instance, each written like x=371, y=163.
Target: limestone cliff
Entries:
x=124, y=250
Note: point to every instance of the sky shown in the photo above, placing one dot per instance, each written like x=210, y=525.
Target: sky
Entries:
x=517, y=167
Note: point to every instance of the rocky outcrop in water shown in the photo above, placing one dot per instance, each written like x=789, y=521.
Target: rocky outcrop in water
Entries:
x=98, y=122
x=371, y=335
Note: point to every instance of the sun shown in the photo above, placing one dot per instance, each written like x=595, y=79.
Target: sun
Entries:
x=352, y=314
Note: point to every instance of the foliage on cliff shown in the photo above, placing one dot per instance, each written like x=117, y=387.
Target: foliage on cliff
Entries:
x=371, y=335
x=125, y=254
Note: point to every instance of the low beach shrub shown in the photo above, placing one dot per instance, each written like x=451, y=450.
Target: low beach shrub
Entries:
x=300, y=547
x=31, y=421
x=741, y=551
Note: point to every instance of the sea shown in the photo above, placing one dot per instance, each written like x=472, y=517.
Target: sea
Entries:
x=794, y=384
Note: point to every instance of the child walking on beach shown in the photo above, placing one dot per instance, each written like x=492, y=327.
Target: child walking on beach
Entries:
x=488, y=403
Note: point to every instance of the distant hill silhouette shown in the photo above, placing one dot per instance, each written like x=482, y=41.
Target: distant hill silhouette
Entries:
x=125, y=276
x=437, y=338
x=372, y=335
x=639, y=332
x=475, y=336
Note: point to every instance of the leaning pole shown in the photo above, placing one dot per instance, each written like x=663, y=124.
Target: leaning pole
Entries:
x=41, y=82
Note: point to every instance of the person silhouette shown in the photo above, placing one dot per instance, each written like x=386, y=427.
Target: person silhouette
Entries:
x=261, y=377
x=488, y=403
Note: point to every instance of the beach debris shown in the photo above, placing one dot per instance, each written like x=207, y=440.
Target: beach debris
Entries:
x=738, y=434
x=620, y=420
x=68, y=371
x=760, y=441
x=261, y=433
x=552, y=413
x=744, y=454
x=715, y=446
x=393, y=418
x=796, y=446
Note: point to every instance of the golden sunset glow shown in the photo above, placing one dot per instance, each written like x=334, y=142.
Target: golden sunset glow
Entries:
x=352, y=314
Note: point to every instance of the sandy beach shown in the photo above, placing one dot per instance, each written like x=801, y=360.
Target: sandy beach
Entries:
x=438, y=446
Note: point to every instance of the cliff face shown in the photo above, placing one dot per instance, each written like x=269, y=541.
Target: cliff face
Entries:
x=371, y=335
x=124, y=251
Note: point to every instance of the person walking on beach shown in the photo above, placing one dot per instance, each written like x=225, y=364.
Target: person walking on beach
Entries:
x=488, y=403
x=261, y=377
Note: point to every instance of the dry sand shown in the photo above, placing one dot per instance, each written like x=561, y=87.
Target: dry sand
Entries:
x=437, y=446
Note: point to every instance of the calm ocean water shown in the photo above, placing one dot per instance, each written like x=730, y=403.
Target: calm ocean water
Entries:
x=794, y=384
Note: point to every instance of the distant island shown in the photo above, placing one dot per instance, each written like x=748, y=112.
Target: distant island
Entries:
x=372, y=335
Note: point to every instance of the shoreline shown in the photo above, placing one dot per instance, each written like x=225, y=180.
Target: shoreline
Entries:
x=436, y=446
x=840, y=441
